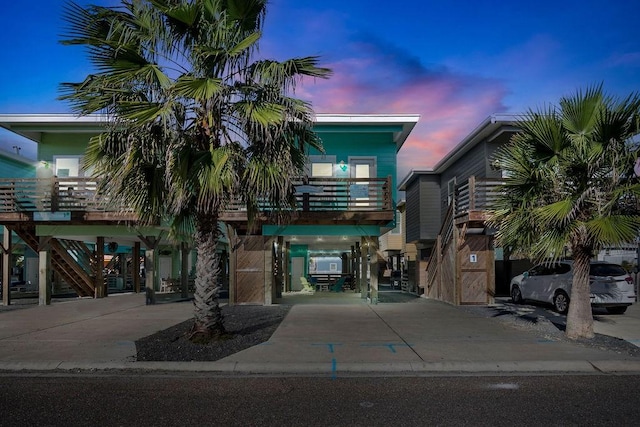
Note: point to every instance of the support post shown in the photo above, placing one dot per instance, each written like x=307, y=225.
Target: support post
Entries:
x=44, y=272
x=270, y=281
x=6, y=266
x=232, y=239
x=357, y=273
x=135, y=261
x=100, y=286
x=472, y=193
x=286, y=269
x=439, y=272
x=364, y=265
x=150, y=268
x=279, y=253
x=373, y=268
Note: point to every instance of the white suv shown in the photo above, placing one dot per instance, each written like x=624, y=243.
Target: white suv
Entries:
x=611, y=286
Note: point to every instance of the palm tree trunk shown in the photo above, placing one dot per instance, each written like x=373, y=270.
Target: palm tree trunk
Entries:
x=208, y=322
x=579, y=317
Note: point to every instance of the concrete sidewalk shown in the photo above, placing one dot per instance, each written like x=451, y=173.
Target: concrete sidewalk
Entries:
x=345, y=336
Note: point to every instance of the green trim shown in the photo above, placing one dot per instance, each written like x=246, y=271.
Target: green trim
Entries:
x=315, y=230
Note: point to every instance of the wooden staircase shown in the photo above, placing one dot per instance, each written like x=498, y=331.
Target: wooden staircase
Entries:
x=445, y=237
x=461, y=269
x=72, y=260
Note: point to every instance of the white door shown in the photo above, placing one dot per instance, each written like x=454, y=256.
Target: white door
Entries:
x=362, y=167
x=297, y=271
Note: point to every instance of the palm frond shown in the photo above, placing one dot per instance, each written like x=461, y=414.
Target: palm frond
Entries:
x=199, y=89
x=613, y=229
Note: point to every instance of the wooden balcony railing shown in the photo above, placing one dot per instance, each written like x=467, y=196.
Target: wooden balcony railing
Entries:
x=50, y=195
x=79, y=194
x=476, y=194
x=336, y=194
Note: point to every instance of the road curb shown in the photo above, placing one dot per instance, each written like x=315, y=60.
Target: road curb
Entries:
x=333, y=369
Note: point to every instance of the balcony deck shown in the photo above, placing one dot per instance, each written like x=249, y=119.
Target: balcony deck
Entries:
x=74, y=200
x=473, y=198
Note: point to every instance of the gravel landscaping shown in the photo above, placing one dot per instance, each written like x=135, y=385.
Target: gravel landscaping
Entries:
x=248, y=325
x=541, y=326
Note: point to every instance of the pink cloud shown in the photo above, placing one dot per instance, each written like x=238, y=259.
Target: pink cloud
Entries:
x=385, y=80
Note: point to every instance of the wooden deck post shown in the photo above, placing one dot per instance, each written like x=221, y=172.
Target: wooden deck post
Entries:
x=233, y=255
x=135, y=261
x=364, y=265
x=150, y=265
x=6, y=266
x=472, y=192
x=357, y=264
x=439, y=267
x=279, y=266
x=101, y=288
x=286, y=267
x=54, y=194
x=373, y=268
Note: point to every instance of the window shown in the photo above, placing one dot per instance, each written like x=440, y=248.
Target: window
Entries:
x=561, y=268
x=398, y=229
x=321, y=166
x=539, y=270
x=605, y=270
x=451, y=190
x=321, y=170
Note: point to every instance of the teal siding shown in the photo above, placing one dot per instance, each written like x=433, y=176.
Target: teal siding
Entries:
x=352, y=143
x=327, y=230
x=62, y=145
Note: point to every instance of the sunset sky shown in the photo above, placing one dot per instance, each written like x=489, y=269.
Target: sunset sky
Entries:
x=452, y=62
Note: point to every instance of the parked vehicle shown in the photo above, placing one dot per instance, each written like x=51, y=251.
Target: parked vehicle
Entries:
x=611, y=286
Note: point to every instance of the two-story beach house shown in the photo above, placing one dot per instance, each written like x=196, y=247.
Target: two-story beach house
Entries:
x=77, y=241
x=446, y=213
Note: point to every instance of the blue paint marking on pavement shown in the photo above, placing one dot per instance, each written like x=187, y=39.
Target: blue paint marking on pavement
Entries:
x=330, y=346
x=390, y=346
x=334, y=369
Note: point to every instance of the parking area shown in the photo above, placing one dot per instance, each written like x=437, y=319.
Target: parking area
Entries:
x=624, y=326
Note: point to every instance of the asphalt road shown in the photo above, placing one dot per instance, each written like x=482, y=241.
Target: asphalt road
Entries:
x=169, y=400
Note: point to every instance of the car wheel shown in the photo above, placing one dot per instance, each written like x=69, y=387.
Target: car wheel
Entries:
x=617, y=310
x=561, y=302
x=516, y=295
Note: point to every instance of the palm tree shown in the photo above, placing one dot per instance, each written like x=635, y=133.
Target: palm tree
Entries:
x=570, y=185
x=193, y=120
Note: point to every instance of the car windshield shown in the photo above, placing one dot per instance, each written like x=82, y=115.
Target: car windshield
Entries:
x=607, y=270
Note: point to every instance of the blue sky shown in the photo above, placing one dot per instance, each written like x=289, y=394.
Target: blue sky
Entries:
x=453, y=62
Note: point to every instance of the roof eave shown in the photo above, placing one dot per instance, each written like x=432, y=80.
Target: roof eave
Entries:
x=412, y=175
x=485, y=129
x=408, y=122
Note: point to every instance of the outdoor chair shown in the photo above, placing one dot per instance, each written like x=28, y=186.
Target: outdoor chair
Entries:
x=306, y=286
x=337, y=287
